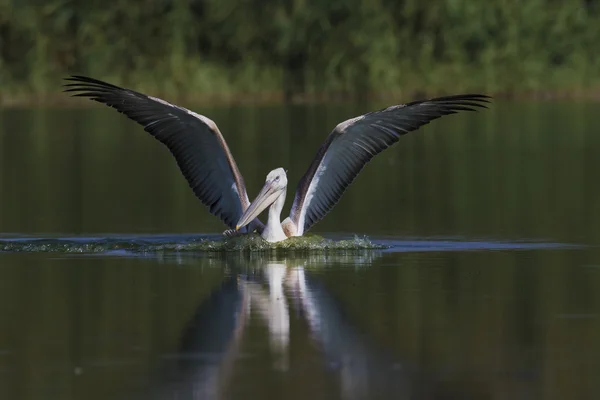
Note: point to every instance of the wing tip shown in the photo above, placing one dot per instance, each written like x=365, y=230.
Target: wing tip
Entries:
x=77, y=83
x=478, y=99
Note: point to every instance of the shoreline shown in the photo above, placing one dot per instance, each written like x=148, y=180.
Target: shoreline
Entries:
x=63, y=100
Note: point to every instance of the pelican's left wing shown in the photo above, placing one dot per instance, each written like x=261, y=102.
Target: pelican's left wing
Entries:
x=353, y=143
x=194, y=140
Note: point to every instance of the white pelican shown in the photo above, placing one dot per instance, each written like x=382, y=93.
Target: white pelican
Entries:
x=206, y=162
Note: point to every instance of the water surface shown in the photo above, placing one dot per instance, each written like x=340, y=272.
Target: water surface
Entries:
x=490, y=287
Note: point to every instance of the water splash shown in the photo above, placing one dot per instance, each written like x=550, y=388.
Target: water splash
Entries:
x=242, y=243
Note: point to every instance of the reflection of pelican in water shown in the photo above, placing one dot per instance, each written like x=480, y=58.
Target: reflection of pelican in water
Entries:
x=270, y=292
x=206, y=162
x=273, y=308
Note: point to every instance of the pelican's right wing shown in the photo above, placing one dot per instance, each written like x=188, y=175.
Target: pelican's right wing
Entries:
x=194, y=140
x=353, y=143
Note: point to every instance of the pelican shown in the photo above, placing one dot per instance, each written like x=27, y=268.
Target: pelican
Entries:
x=212, y=173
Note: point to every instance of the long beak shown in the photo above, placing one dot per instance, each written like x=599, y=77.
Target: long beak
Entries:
x=267, y=196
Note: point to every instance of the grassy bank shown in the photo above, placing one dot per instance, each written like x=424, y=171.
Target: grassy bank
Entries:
x=257, y=51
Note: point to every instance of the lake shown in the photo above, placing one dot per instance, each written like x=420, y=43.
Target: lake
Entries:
x=490, y=287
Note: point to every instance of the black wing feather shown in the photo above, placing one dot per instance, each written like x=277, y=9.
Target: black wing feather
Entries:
x=353, y=143
x=194, y=140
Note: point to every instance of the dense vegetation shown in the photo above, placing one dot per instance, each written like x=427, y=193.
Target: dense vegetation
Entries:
x=269, y=48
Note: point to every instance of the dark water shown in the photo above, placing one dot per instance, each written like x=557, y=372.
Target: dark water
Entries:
x=491, y=287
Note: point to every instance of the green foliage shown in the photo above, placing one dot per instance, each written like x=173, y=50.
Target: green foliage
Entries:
x=228, y=49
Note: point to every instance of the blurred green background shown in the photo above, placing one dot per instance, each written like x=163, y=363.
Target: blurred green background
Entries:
x=269, y=50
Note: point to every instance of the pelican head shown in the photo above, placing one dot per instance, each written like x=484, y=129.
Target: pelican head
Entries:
x=273, y=190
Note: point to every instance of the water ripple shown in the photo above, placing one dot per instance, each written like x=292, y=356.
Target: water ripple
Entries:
x=130, y=244
x=166, y=244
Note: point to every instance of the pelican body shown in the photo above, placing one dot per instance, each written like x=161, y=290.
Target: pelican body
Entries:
x=207, y=164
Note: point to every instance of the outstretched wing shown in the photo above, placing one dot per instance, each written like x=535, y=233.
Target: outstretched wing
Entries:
x=194, y=140
x=353, y=143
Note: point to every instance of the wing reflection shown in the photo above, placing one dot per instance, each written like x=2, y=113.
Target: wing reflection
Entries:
x=209, y=346
x=363, y=369
x=267, y=295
